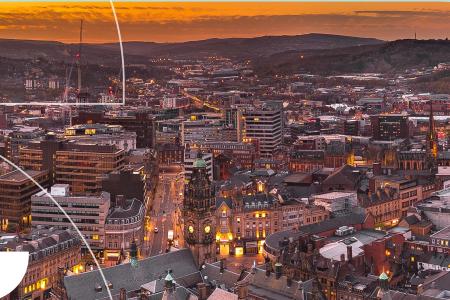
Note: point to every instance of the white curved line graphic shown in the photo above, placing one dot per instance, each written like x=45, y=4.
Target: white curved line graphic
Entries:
x=67, y=216
x=122, y=57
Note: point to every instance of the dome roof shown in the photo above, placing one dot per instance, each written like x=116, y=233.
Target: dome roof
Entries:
x=383, y=276
x=199, y=163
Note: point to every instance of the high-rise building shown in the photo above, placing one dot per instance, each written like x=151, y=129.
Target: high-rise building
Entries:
x=199, y=207
x=266, y=125
x=77, y=164
x=15, y=193
x=233, y=120
x=389, y=127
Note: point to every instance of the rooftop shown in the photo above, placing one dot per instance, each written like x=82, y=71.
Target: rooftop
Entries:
x=17, y=176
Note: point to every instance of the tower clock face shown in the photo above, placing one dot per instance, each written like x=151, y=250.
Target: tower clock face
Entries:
x=191, y=229
x=207, y=229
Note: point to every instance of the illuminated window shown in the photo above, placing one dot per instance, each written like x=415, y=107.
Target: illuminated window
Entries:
x=263, y=215
x=412, y=259
x=191, y=229
x=207, y=229
x=89, y=131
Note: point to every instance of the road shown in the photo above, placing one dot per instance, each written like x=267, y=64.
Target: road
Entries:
x=165, y=214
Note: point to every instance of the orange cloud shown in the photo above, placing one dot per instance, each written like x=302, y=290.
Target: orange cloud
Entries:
x=193, y=20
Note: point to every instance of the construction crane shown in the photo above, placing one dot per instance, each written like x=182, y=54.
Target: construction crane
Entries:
x=76, y=60
x=79, y=57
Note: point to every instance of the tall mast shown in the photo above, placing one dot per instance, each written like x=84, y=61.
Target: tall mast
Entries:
x=79, y=57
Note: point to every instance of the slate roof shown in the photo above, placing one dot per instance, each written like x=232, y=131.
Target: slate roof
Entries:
x=268, y=287
x=82, y=286
x=220, y=200
x=220, y=294
x=345, y=175
x=227, y=278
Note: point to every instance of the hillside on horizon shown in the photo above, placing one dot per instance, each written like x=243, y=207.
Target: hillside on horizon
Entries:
x=382, y=58
x=242, y=48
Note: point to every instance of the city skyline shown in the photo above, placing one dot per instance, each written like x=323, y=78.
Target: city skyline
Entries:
x=178, y=22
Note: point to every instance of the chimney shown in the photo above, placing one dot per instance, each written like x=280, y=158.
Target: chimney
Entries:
x=122, y=294
x=222, y=265
x=202, y=291
x=267, y=269
x=376, y=169
x=120, y=201
x=278, y=270
x=349, y=253
x=372, y=185
x=144, y=296
x=289, y=281
x=242, y=290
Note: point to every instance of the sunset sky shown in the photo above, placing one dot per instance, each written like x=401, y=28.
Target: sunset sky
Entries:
x=173, y=21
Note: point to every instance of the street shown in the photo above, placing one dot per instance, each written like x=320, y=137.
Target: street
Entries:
x=164, y=215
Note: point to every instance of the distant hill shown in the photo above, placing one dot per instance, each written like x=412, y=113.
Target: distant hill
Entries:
x=380, y=58
x=244, y=47
x=138, y=51
x=56, y=51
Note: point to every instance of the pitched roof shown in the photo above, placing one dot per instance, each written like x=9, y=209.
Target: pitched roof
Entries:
x=220, y=294
x=82, y=286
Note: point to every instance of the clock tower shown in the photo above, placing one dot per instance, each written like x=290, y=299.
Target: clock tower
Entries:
x=199, y=207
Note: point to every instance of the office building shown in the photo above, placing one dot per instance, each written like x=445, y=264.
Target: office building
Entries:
x=77, y=164
x=102, y=134
x=266, y=125
x=15, y=193
x=87, y=212
x=389, y=127
x=142, y=122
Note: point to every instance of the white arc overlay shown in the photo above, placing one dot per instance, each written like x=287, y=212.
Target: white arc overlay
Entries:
x=8, y=270
x=14, y=266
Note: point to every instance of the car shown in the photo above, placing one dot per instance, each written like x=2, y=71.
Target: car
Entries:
x=155, y=230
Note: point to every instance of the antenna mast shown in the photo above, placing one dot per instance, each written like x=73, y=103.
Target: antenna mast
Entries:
x=79, y=57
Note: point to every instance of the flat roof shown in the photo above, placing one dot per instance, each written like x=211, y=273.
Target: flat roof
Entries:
x=333, y=195
x=17, y=176
x=338, y=245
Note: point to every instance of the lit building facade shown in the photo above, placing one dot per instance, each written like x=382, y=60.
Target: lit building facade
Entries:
x=15, y=197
